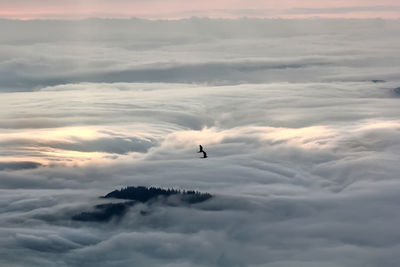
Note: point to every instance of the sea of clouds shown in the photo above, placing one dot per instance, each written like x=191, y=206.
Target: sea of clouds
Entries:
x=300, y=119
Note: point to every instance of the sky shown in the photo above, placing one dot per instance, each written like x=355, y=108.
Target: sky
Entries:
x=177, y=9
x=300, y=120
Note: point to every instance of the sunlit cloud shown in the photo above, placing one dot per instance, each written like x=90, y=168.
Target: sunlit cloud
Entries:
x=71, y=146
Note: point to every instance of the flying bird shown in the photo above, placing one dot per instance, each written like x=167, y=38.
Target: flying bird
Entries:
x=201, y=149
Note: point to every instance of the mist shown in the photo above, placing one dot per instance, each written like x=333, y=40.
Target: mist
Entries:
x=300, y=120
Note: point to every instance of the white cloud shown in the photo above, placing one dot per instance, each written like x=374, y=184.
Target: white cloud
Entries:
x=303, y=146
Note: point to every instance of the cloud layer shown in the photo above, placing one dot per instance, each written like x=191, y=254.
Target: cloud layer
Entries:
x=178, y=9
x=303, y=141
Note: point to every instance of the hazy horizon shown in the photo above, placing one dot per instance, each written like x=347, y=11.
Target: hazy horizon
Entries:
x=177, y=9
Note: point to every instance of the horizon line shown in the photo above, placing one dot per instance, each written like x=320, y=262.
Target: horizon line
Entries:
x=197, y=17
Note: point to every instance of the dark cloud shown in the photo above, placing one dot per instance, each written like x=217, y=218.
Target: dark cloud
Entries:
x=216, y=73
x=108, y=145
x=115, y=145
x=19, y=165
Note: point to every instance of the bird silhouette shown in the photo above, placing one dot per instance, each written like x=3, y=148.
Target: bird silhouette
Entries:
x=201, y=149
x=204, y=155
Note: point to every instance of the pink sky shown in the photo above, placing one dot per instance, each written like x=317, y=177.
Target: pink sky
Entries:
x=174, y=9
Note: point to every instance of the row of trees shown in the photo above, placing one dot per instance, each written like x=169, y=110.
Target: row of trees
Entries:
x=144, y=194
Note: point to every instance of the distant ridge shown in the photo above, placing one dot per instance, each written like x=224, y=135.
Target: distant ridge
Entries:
x=144, y=194
x=139, y=194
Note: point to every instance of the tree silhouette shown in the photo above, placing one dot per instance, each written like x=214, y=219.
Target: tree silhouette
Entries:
x=139, y=194
x=144, y=194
